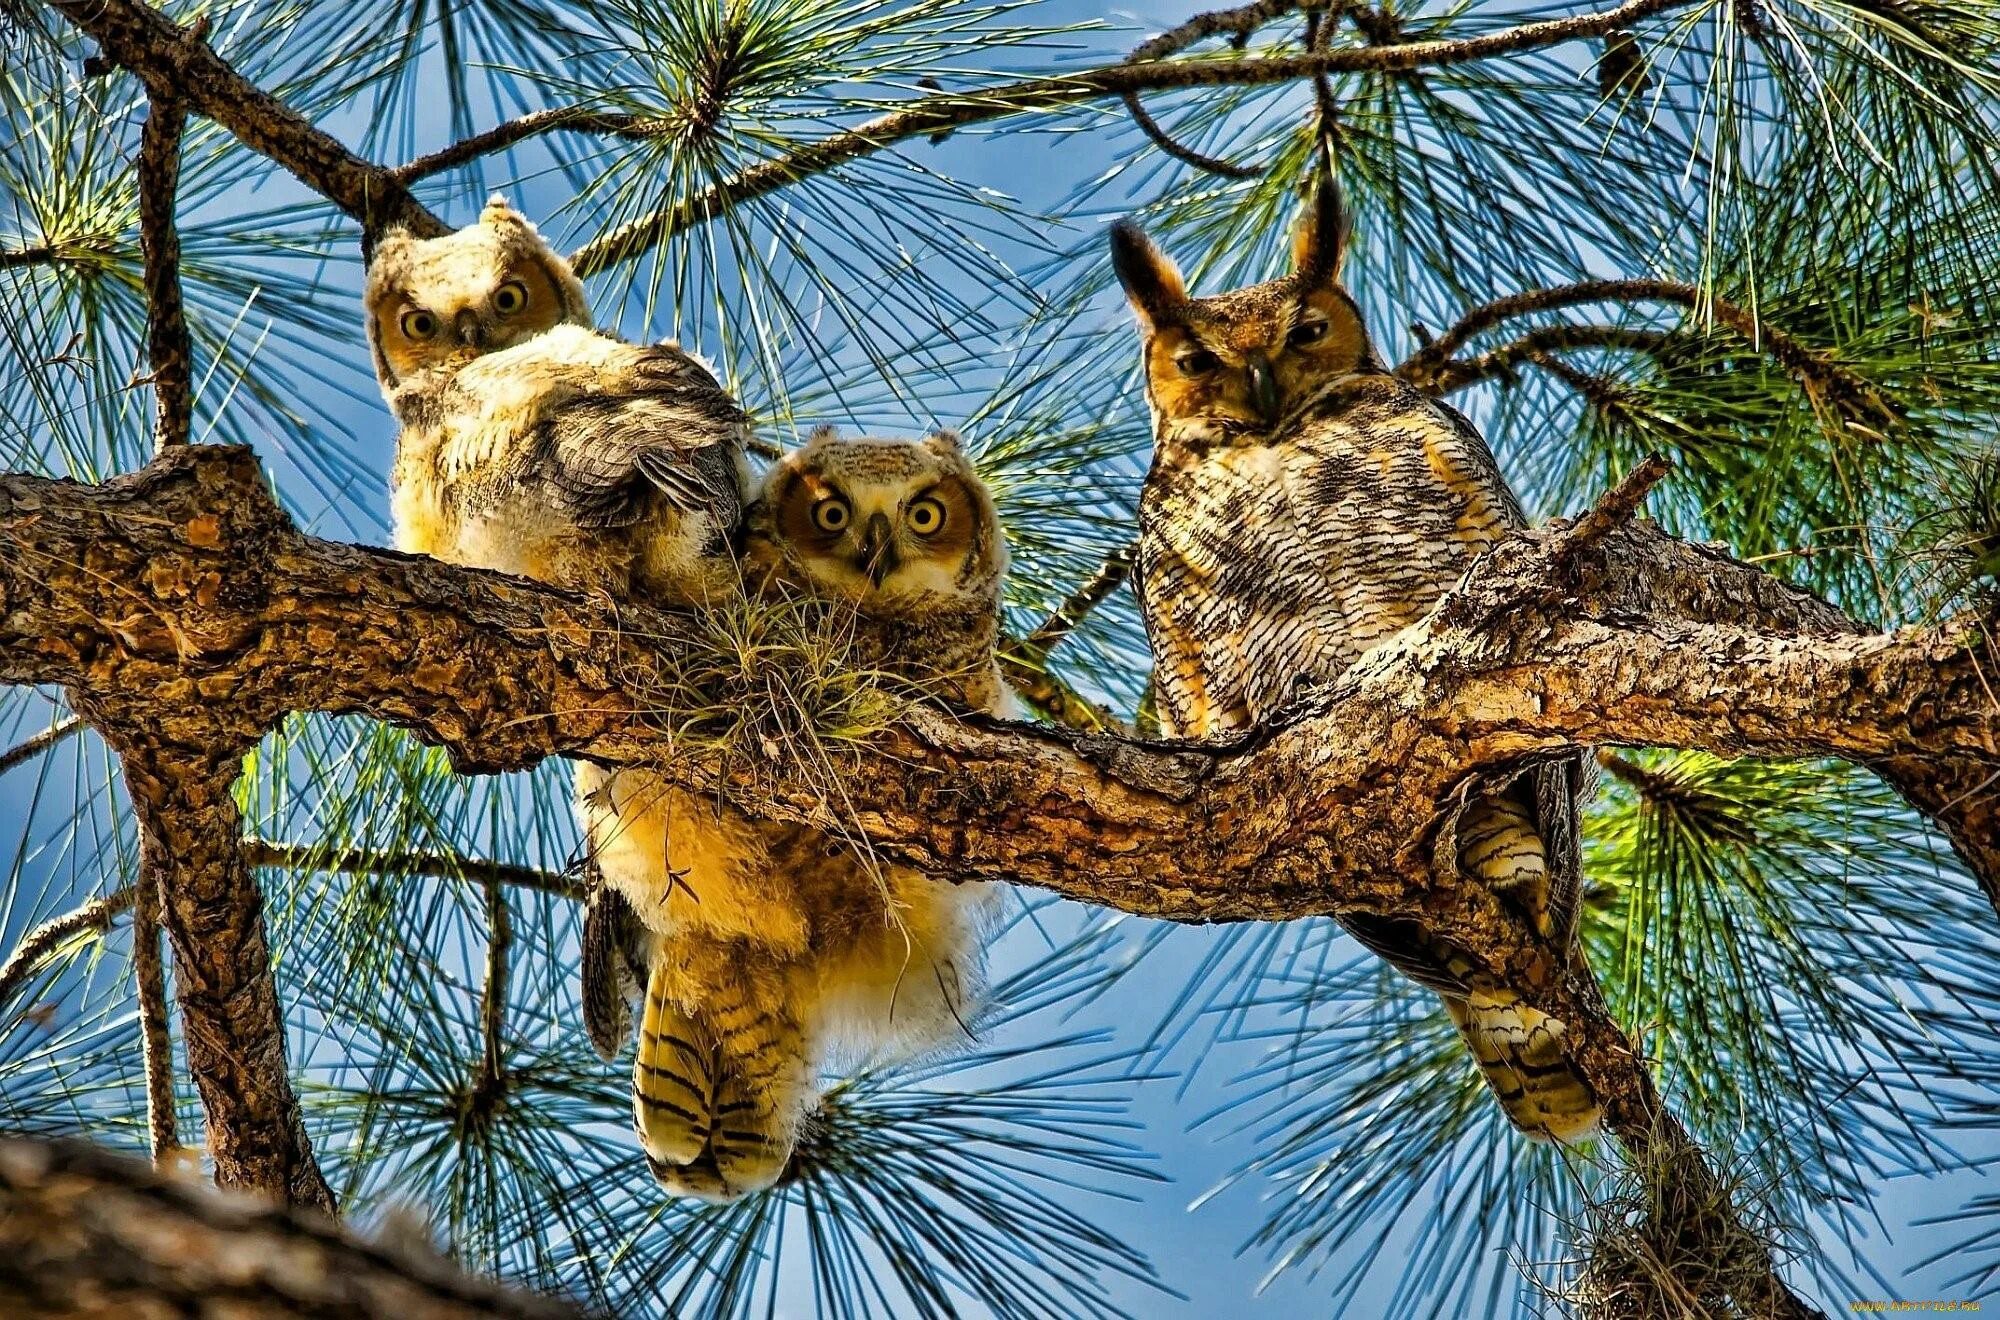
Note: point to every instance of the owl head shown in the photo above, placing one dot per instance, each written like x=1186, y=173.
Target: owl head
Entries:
x=894, y=527
x=1239, y=361
x=486, y=287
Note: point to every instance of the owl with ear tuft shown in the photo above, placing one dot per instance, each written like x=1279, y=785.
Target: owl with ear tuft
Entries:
x=535, y=444
x=1303, y=505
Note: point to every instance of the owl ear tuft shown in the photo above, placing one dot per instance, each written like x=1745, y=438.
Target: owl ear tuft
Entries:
x=944, y=440
x=500, y=211
x=1319, y=248
x=1151, y=280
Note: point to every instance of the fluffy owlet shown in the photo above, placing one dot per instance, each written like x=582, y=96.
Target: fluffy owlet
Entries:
x=755, y=978
x=535, y=444
x=1303, y=505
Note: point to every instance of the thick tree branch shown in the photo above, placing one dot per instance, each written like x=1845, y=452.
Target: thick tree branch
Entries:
x=183, y=587
x=946, y=112
x=180, y=762
x=178, y=64
x=1819, y=375
x=85, y=1234
x=168, y=346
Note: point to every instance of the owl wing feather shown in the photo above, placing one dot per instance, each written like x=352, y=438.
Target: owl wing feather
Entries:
x=660, y=425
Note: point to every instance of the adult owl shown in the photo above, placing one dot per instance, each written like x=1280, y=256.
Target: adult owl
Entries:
x=756, y=980
x=1303, y=505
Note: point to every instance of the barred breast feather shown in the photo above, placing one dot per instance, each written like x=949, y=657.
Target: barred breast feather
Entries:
x=1268, y=560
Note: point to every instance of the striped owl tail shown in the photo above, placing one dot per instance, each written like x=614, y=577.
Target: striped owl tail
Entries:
x=1520, y=1055
x=716, y=1100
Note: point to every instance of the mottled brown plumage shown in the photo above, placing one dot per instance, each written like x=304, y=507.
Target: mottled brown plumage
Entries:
x=535, y=444
x=1303, y=505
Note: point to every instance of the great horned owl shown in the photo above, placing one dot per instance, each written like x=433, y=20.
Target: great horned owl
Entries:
x=534, y=444
x=1303, y=504
x=758, y=976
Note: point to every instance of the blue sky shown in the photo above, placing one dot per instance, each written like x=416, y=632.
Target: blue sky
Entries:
x=1198, y=1252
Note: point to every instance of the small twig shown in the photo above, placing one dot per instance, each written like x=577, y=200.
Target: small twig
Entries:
x=1055, y=698
x=28, y=256
x=493, y=999
x=156, y=1044
x=37, y=944
x=168, y=345
x=1236, y=24
x=1811, y=369
x=571, y=118
x=40, y=743
x=1166, y=142
x=441, y=866
x=1614, y=510
x=1458, y=373
x=1079, y=603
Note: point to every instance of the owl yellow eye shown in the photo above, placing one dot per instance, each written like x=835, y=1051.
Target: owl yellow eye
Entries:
x=1306, y=332
x=510, y=297
x=831, y=514
x=926, y=517
x=1198, y=363
x=419, y=325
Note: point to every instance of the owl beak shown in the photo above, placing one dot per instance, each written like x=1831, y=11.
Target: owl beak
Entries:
x=1263, y=388
x=470, y=332
x=878, y=550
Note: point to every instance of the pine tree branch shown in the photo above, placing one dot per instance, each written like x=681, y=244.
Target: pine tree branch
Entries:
x=88, y=1234
x=186, y=580
x=1236, y=24
x=155, y=1043
x=168, y=346
x=565, y=118
x=1166, y=142
x=178, y=64
x=36, y=945
x=946, y=112
x=1076, y=608
x=40, y=254
x=180, y=763
x=1455, y=374
x=38, y=744
x=440, y=866
x=1821, y=377
x=101, y=914
x=493, y=995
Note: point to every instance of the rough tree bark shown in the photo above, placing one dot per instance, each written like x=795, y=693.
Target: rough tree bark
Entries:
x=180, y=762
x=183, y=588
x=87, y=1235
